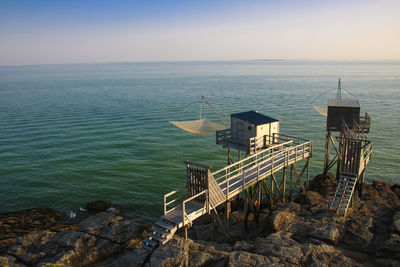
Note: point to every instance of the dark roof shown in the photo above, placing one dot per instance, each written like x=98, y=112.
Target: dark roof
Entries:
x=354, y=103
x=253, y=117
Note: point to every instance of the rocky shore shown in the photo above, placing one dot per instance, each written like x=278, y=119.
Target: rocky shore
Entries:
x=301, y=232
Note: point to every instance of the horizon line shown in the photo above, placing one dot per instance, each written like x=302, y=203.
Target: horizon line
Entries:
x=188, y=61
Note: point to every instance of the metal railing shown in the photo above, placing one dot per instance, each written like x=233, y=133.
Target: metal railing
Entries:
x=224, y=136
x=261, y=164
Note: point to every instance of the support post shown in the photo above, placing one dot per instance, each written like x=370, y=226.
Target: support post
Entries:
x=246, y=209
x=272, y=193
x=291, y=182
x=327, y=150
x=229, y=156
x=186, y=232
x=284, y=184
x=227, y=212
x=308, y=174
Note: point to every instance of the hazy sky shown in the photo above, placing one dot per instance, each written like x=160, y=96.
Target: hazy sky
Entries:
x=41, y=32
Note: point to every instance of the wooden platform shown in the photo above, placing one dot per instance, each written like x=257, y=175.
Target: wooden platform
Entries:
x=193, y=210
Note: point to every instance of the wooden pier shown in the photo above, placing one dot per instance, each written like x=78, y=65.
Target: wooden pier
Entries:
x=205, y=190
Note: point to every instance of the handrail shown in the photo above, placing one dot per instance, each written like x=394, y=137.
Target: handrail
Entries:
x=269, y=159
x=189, y=199
x=253, y=156
x=170, y=202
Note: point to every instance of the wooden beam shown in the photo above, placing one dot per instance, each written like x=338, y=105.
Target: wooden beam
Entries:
x=299, y=177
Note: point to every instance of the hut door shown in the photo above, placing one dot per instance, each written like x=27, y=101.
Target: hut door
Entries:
x=240, y=131
x=350, y=150
x=197, y=180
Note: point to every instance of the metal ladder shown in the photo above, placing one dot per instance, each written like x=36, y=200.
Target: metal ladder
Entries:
x=343, y=193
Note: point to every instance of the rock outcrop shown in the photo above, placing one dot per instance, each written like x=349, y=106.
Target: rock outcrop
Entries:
x=95, y=238
x=300, y=233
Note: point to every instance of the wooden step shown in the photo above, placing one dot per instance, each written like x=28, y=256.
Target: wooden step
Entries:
x=165, y=225
x=150, y=242
x=336, y=207
x=160, y=230
x=349, y=175
x=346, y=181
x=342, y=193
x=344, y=190
x=149, y=249
x=156, y=237
x=338, y=202
x=345, y=185
x=341, y=198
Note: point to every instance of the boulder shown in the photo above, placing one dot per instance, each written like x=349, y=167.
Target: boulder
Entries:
x=246, y=259
x=325, y=255
x=174, y=253
x=396, y=188
x=19, y=223
x=243, y=245
x=396, y=221
x=280, y=220
x=7, y=260
x=113, y=227
x=217, y=246
x=201, y=255
x=98, y=205
x=29, y=248
x=133, y=258
x=382, y=193
x=357, y=233
x=393, y=245
x=71, y=249
x=287, y=206
x=280, y=245
x=387, y=262
x=328, y=233
x=78, y=249
x=309, y=198
x=323, y=184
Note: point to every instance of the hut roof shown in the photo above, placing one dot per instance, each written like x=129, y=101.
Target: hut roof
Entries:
x=335, y=102
x=253, y=117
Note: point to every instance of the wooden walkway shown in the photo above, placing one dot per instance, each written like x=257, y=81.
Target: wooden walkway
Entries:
x=232, y=180
x=219, y=187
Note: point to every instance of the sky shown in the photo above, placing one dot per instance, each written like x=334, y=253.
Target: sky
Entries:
x=58, y=32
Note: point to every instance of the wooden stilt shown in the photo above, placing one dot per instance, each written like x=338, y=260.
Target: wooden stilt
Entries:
x=246, y=209
x=259, y=201
x=229, y=156
x=272, y=194
x=308, y=174
x=327, y=151
x=291, y=183
x=284, y=184
x=227, y=211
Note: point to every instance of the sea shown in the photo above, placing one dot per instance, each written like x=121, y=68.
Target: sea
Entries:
x=71, y=134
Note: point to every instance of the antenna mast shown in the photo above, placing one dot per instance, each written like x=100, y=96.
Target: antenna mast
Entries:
x=339, y=90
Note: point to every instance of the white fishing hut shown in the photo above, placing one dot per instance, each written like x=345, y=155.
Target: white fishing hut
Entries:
x=251, y=124
x=250, y=131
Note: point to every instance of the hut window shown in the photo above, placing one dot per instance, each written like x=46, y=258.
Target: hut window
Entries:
x=249, y=128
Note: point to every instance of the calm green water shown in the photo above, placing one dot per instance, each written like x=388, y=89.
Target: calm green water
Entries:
x=70, y=134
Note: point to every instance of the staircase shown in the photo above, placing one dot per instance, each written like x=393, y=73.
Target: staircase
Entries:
x=343, y=193
x=159, y=234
